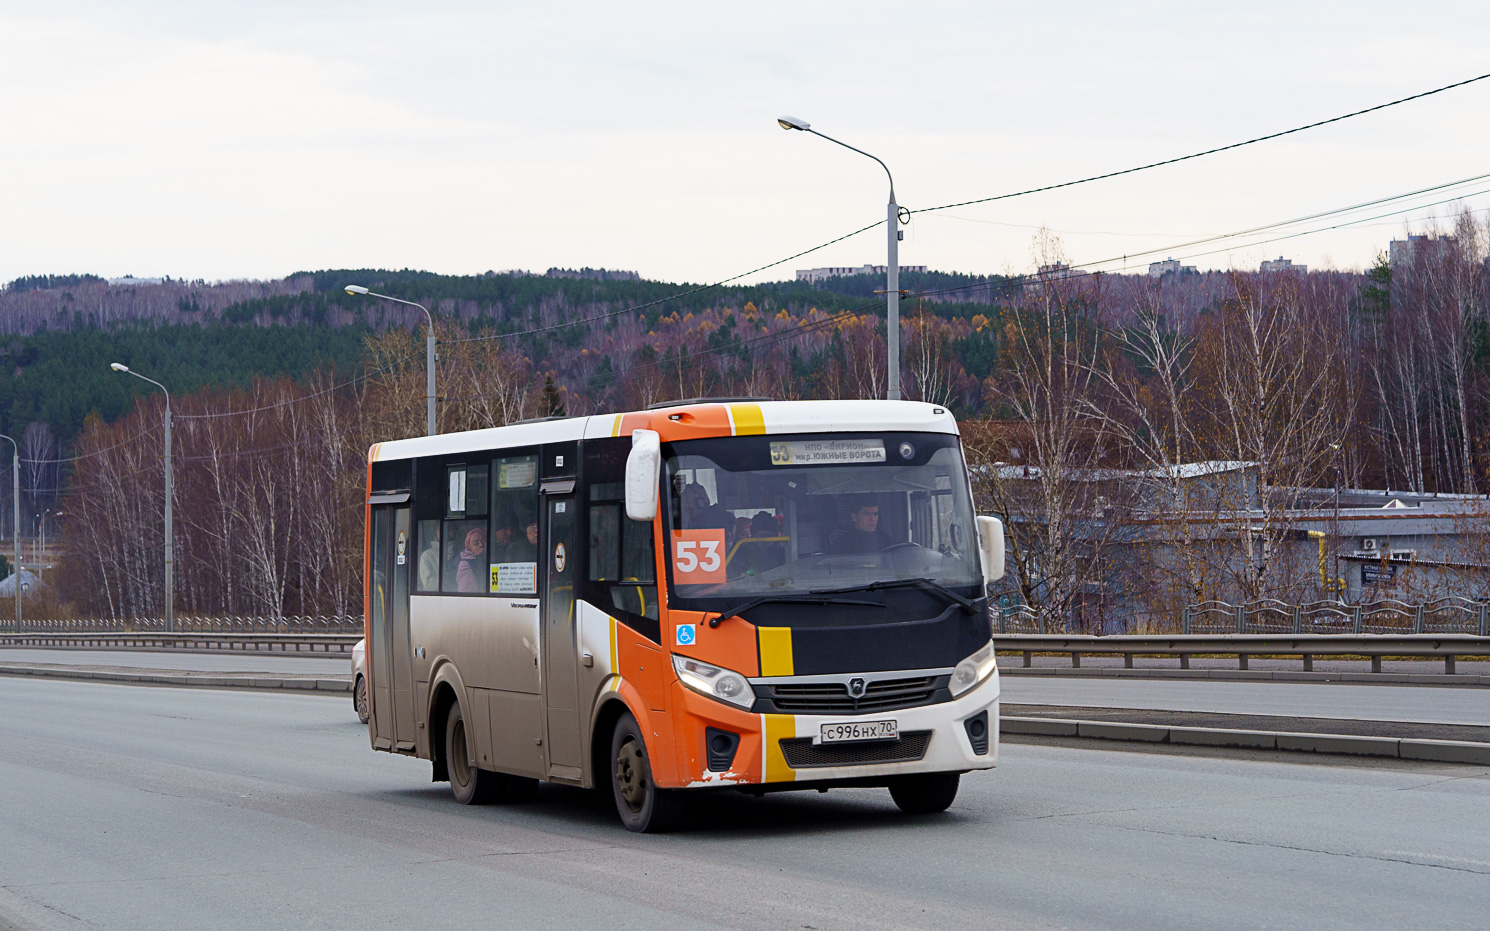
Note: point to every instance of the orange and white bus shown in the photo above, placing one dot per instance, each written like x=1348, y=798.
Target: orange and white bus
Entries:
x=736, y=593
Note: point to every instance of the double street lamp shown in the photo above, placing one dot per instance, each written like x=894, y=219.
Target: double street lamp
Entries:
x=892, y=267
x=429, y=353
x=170, y=539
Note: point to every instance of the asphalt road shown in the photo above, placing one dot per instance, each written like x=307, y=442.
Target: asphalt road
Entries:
x=1422, y=703
x=1426, y=704
x=131, y=807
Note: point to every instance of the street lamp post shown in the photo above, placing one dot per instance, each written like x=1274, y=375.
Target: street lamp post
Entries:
x=892, y=268
x=15, y=498
x=170, y=538
x=429, y=353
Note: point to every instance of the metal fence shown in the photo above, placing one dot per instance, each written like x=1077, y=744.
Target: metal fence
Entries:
x=337, y=624
x=1452, y=615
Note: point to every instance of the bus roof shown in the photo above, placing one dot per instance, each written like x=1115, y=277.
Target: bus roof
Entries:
x=689, y=421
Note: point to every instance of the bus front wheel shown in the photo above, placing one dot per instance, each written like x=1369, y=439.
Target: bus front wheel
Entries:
x=643, y=806
x=925, y=793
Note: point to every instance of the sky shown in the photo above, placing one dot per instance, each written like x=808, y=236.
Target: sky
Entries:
x=234, y=140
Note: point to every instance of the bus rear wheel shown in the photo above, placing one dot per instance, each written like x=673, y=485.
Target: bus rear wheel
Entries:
x=472, y=785
x=643, y=806
x=925, y=793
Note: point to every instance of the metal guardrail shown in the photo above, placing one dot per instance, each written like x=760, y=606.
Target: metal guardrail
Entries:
x=1451, y=615
x=290, y=624
x=1243, y=646
x=318, y=644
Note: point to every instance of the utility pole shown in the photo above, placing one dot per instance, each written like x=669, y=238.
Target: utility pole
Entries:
x=892, y=266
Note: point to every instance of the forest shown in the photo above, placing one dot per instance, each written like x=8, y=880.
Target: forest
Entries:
x=1375, y=379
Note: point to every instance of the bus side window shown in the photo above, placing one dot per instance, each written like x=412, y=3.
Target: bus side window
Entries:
x=514, y=525
x=622, y=576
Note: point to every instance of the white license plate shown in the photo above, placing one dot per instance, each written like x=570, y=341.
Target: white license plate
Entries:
x=860, y=730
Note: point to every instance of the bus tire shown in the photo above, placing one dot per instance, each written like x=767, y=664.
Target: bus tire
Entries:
x=643, y=806
x=469, y=784
x=359, y=698
x=925, y=793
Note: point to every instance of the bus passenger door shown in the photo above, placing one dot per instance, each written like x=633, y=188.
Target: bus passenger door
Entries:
x=392, y=670
x=560, y=651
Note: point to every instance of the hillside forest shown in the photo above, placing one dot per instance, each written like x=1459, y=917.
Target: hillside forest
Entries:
x=1378, y=379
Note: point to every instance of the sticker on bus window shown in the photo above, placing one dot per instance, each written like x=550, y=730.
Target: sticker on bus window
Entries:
x=698, y=557
x=514, y=577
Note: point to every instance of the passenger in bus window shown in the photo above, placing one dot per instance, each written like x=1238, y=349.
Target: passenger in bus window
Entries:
x=699, y=510
x=864, y=534
x=471, y=571
x=526, y=549
x=501, y=545
x=429, y=556
x=769, y=553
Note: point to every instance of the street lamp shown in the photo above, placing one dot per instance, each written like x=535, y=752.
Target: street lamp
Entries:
x=15, y=497
x=429, y=353
x=892, y=269
x=170, y=538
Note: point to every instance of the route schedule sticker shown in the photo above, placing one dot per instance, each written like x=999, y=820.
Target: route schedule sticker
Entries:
x=698, y=557
x=827, y=452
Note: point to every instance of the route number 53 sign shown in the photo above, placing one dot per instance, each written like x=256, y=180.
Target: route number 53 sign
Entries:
x=698, y=557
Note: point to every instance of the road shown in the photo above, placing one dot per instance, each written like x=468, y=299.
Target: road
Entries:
x=1426, y=704
x=130, y=807
x=1422, y=703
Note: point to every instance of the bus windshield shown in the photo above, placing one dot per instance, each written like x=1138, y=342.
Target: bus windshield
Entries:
x=757, y=516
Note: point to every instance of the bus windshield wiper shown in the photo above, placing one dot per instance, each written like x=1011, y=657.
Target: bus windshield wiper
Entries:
x=814, y=599
x=967, y=603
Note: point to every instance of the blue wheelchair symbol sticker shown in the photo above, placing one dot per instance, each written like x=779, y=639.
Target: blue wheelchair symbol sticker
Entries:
x=686, y=635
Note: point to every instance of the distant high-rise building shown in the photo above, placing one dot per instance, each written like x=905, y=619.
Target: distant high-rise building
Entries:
x=1170, y=267
x=814, y=275
x=1401, y=251
x=1280, y=264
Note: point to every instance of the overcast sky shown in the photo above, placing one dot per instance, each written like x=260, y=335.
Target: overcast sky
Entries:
x=230, y=140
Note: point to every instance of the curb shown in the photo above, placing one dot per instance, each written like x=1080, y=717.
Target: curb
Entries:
x=1253, y=675
x=1440, y=751
x=197, y=680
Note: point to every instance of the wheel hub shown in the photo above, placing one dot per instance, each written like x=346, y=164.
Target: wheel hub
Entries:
x=631, y=775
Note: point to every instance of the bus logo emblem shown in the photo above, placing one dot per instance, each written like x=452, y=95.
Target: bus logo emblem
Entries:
x=856, y=687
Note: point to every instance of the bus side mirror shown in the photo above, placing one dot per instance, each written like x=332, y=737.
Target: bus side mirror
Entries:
x=991, y=547
x=643, y=467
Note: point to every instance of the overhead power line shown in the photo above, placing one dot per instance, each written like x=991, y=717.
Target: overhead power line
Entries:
x=1223, y=148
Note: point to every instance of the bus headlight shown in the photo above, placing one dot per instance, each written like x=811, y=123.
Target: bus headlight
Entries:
x=972, y=671
x=713, y=681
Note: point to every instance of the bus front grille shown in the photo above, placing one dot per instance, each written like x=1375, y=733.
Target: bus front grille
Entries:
x=833, y=697
x=801, y=753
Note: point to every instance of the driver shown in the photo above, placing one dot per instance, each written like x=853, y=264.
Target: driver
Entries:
x=865, y=535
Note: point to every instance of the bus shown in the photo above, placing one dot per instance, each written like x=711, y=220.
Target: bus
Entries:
x=760, y=595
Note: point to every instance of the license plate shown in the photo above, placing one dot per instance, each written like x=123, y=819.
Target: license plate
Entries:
x=860, y=730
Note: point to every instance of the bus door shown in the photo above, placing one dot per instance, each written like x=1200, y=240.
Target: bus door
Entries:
x=560, y=649
x=391, y=671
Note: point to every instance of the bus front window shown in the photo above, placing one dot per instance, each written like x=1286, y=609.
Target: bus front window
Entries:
x=767, y=515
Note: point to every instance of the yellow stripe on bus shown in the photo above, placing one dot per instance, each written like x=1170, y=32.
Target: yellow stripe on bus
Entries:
x=775, y=727
x=776, y=651
x=615, y=668
x=748, y=419
x=615, y=429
